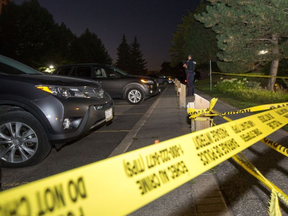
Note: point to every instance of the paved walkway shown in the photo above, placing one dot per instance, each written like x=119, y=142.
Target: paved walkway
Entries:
x=163, y=121
x=227, y=190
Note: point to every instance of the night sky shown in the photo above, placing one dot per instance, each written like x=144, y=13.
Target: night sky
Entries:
x=152, y=21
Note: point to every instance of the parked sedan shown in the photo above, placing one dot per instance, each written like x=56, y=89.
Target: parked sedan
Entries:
x=116, y=82
x=38, y=110
x=162, y=79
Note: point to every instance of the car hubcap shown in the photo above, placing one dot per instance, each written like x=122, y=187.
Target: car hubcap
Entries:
x=134, y=96
x=18, y=142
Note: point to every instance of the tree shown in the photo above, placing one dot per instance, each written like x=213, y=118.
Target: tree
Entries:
x=25, y=33
x=193, y=38
x=177, y=50
x=175, y=71
x=249, y=33
x=138, y=64
x=28, y=33
x=89, y=48
x=62, y=48
x=124, y=55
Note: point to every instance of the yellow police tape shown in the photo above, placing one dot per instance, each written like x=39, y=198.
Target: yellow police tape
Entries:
x=122, y=184
x=274, y=209
x=276, y=146
x=207, y=112
x=249, y=75
x=276, y=192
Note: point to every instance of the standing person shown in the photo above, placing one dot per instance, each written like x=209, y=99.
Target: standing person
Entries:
x=190, y=67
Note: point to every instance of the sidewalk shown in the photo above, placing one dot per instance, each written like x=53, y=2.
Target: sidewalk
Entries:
x=163, y=121
x=204, y=195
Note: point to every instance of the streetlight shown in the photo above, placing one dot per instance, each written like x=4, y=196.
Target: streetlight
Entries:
x=262, y=52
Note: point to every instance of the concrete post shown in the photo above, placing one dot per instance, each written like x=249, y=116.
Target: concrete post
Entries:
x=203, y=122
x=182, y=96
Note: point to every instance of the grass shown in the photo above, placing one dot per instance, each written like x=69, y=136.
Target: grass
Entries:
x=238, y=94
x=242, y=98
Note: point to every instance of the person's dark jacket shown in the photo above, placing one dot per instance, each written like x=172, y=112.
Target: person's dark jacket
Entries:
x=190, y=65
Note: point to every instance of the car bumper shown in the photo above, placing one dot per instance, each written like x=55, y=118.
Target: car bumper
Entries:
x=81, y=114
x=152, y=90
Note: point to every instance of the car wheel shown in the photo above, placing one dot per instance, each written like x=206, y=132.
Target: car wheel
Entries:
x=134, y=96
x=23, y=141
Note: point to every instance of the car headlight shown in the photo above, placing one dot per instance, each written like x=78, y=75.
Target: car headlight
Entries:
x=147, y=81
x=73, y=92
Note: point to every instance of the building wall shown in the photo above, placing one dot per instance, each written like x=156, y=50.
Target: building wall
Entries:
x=3, y=2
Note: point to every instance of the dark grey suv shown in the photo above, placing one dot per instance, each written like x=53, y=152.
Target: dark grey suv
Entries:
x=116, y=82
x=37, y=110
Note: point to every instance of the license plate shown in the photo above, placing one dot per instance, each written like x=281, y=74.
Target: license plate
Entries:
x=109, y=114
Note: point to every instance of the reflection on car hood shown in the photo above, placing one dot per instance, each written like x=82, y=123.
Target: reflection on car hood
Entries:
x=56, y=80
x=140, y=77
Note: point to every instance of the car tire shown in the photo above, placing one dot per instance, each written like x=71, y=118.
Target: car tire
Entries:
x=135, y=95
x=23, y=141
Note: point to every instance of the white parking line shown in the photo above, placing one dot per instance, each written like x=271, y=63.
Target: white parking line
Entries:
x=128, y=140
x=129, y=114
x=112, y=131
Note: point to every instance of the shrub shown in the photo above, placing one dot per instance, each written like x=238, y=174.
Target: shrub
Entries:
x=250, y=90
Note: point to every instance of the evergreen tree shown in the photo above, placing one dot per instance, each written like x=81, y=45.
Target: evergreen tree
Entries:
x=177, y=50
x=62, y=45
x=89, y=48
x=175, y=71
x=193, y=38
x=249, y=33
x=29, y=34
x=201, y=43
x=138, y=64
x=26, y=33
x=124, y=55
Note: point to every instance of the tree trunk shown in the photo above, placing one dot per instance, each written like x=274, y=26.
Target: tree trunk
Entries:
x=274, y=64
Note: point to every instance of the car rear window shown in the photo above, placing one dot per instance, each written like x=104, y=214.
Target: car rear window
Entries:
x=84, y=72
x=64, y=71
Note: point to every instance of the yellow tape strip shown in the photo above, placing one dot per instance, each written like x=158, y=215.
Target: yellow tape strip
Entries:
x=248, y=166
x=194, y=113
x=198, y=112
x=274, y=209
x=276, y=146
x=250, y=75
x=122, y=184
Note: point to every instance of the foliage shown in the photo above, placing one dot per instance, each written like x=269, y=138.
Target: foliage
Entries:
x=177, y=51
x=138, y=64
x=130, y=58
x=258, y=97
x=177, y=71
x=244, y=28
x=25, y=32
x=250, y=91
x=189, y=38
x=124, y=55
x=62, y=48
x=201, y=41
x=28, y=33
x=89, y=48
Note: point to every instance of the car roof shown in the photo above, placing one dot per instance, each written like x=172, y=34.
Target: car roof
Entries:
x=82, y=64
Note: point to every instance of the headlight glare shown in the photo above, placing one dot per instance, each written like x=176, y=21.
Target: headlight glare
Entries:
x=147, y=81
x=75, y=92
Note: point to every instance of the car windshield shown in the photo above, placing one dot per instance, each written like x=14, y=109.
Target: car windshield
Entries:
x=12, y=67
x=121, y=72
